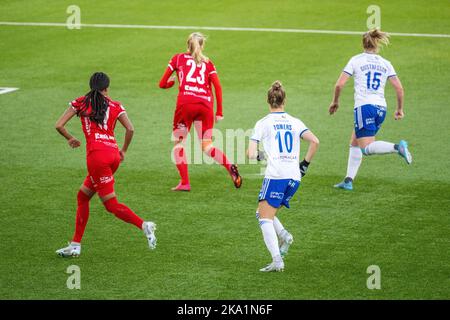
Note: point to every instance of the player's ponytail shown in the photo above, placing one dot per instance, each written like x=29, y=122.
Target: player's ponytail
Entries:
x=195, y=43
x=276, y=96
x=375, y=38
x=95, y=99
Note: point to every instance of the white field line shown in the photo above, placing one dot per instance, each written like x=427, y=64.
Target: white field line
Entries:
x=137, y=26
x=7, y=90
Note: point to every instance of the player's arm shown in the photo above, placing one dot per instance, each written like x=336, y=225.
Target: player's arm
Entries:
x=60, y=127
x=340, y=83
x=312, y=149
x=218, y=93
x=252, y=151
x=395, y=81
x=167, y=81
x=129, y=131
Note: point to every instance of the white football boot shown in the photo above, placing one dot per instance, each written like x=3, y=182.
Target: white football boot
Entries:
x=277, y=266
x=149, y=230
x=286, y=240
x=70, y=251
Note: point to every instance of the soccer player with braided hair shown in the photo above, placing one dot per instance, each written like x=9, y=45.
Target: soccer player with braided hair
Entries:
x=99, y=114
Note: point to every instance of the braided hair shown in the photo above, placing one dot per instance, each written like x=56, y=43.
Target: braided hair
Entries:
x=95, y=99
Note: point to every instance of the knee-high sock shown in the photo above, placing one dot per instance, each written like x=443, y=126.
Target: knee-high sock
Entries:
x=354, y=161
x=380, y=147
x=122, y=212
x=278, y=226
x=270, y=237
x=82, y=216
x=219, y=157
x=180, y=161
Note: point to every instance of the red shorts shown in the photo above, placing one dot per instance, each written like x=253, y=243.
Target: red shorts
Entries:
x=201, y=115
x=101, y=166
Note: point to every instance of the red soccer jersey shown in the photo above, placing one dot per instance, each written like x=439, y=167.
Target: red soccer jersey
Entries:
x=99, y=136
x=194, y=80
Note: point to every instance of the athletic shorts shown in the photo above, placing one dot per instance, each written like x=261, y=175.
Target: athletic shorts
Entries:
x=278, y=192
x=201, y=115
x=101, y=166
x=368, y=119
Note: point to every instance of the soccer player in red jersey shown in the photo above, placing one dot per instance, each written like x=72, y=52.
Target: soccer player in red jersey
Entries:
x=196, y=74
x=98, y=115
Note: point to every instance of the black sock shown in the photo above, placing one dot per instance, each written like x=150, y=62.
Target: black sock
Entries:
x=396, y=147
x=348, y=179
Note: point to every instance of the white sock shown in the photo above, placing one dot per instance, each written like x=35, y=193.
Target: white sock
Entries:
x=75, y=244
x=380, y=147
x=270, y=237
x=354, y=161
x=278, y=226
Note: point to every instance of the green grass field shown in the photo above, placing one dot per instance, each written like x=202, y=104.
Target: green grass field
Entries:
x=209, y=243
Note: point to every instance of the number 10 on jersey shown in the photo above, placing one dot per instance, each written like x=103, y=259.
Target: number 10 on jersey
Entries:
x=286, y=140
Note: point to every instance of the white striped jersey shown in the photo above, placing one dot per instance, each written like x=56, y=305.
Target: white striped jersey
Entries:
x=280, y=135
x=370, y=72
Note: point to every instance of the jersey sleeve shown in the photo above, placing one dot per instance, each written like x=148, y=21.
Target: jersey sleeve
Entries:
x=116, y=109
x=77, y=104
x=348, y=69
x=211, y=68
x=173, y=63
x=121, y=110
x=302, y=128
x=258, y=132
x=390, y=70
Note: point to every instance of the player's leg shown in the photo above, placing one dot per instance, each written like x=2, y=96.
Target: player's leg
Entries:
x=101, y=167
x=83, y=197
x=124, y=213
x=355, y=154
x=278, y=226
x=266, y=217
x=383, y=147
x=206, y=116
x=367, y=141
x=286, y=238
x=353, y=163
x=267, y=209
x=181, y=127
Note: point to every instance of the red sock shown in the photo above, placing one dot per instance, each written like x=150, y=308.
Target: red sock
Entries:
x=181, y=163
x=220, y=158
x=82, y=216
x=122, y=212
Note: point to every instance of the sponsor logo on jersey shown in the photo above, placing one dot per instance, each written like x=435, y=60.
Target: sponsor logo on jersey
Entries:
x=370, y=120
x=277, y=195
x=194, y=89
x=188, y=93
x=102, y=136
x=105, y=180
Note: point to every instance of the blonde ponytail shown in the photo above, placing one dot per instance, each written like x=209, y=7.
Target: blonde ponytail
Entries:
x=195, y=43
x=374, y=39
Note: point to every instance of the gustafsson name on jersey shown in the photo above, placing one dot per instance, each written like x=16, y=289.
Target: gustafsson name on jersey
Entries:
x=376, y=67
